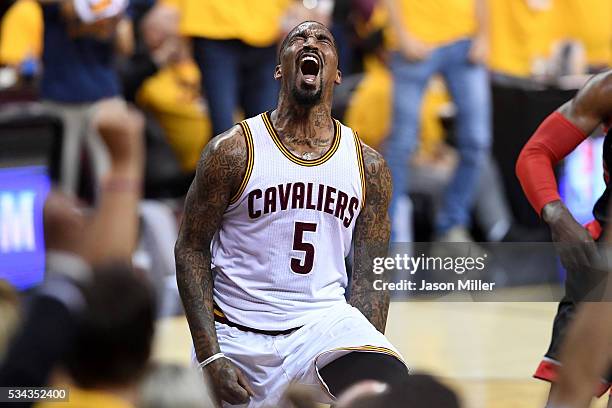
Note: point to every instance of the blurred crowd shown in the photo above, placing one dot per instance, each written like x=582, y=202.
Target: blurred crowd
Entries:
x=416, y=85
x=141, y=86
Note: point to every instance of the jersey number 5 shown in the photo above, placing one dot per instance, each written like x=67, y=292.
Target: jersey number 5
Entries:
x=299, y=245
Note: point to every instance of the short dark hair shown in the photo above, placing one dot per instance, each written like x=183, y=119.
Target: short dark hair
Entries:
x=114, y=335
x=418, y=390
x=293, y=30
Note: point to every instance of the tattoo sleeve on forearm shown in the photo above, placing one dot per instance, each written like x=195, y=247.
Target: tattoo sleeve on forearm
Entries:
x=371, y=240
x=219, y=171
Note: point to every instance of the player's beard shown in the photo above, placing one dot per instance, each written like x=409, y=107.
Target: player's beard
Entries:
x=307, y=97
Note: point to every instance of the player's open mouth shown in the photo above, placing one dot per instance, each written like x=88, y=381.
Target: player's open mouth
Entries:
x=309, y=66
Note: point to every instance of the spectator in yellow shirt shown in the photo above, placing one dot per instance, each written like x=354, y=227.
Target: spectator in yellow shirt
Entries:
x=234, y=45
x=173, y=94
x=590, y=23
x=521, y=37
x=525, y=34
x=446, y=37
x=21, y=37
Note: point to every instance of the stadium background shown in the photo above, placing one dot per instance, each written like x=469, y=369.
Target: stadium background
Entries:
x=540, y=52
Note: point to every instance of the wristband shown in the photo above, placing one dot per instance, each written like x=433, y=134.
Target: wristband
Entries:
x=210, y=359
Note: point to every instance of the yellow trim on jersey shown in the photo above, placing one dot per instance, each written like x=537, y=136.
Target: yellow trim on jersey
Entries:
x=365, y=348
x=218, y=312
x=248, y=137
x=361, y=168
x=374, y=349
x=309, y=163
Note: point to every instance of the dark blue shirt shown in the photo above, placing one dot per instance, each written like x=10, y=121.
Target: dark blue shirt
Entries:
x=75, y=70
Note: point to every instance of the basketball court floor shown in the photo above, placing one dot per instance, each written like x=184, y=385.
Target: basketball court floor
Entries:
x=485, y=351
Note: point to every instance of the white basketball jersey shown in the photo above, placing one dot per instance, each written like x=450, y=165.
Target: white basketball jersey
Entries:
x=278, y=257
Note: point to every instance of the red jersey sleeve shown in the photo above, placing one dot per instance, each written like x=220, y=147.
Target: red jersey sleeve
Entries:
x=554, y=139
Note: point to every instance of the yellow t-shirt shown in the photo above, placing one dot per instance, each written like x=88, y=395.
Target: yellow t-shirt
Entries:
x=176, y=4
x=590, y=22
x=369, y=109
x=519, y=35
x=21, y=35
x=257, y=23
x=438, y=22
x=173, y=96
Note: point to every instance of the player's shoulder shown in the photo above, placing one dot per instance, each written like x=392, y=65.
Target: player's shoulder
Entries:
x=373, y=162
x=230, y=143
x=593, y=100
x=600, y=83
x=598, y=89
x=225, y=157
x=377, y=173
x=604, y=78
x=605, y=84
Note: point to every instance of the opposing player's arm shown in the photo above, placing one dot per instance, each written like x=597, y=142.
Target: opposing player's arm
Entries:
x=554, y=139
x=592, y=105
x=371, y=240
x=557, y=136
x=218, y=175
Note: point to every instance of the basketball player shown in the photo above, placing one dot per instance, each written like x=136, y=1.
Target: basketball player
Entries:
x=556, y=137
x=275, y=206
x=585, y=354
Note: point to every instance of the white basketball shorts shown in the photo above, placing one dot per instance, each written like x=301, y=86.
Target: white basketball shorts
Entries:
x=271, y=363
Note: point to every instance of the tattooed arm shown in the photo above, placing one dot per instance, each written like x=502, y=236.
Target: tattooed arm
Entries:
x=219, y=173
x=371, y=240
